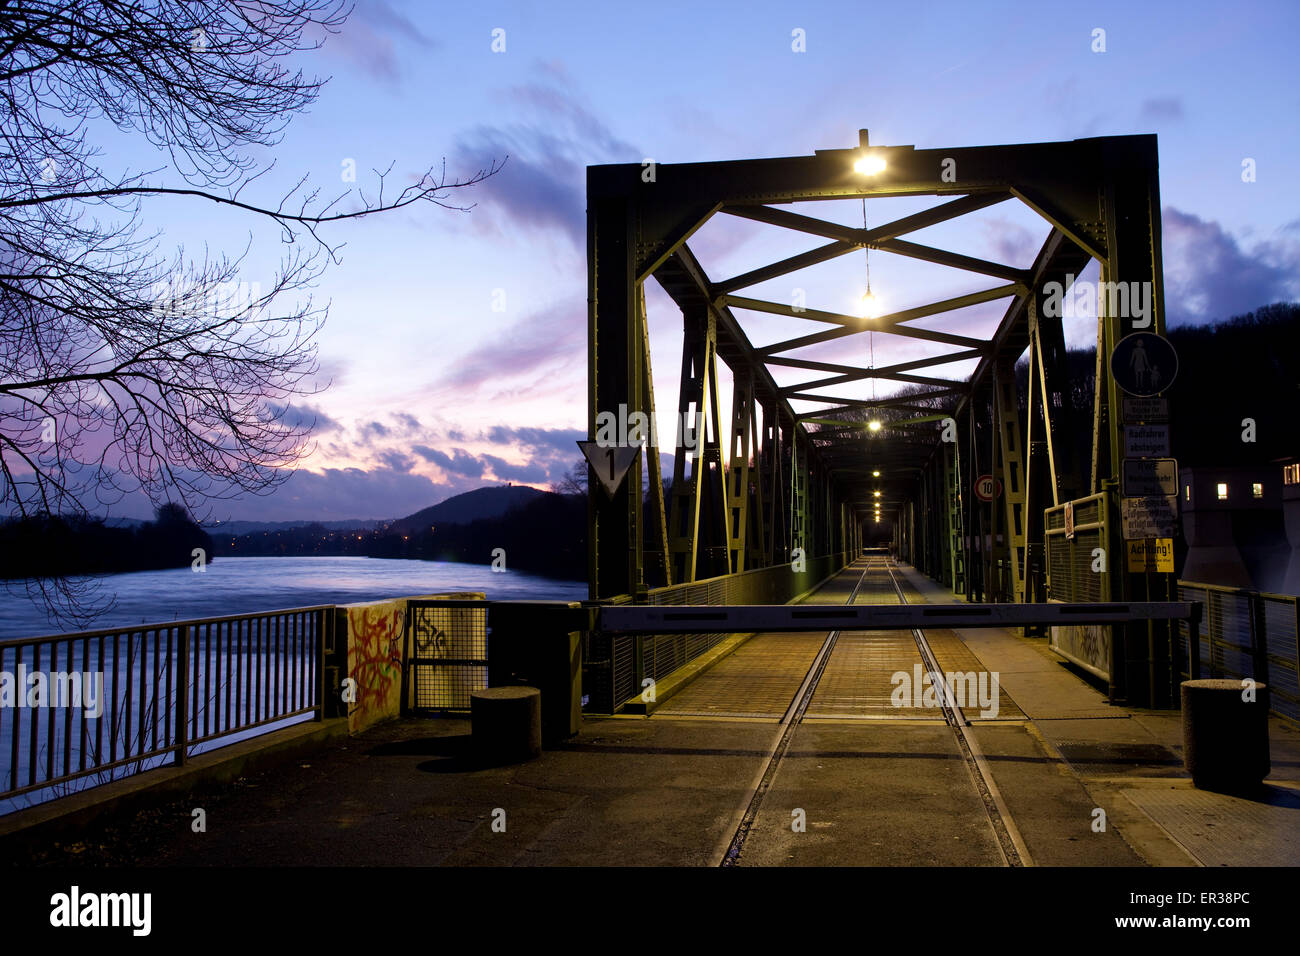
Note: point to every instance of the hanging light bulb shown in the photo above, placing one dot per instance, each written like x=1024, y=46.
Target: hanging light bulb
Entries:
x=871, y=308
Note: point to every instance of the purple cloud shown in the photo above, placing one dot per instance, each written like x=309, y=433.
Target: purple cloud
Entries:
x=366, y=40
x=543, y=184
x=1209, y=276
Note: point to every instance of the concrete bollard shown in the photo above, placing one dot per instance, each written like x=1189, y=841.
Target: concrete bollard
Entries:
x=506, y=724
x=1225, y=734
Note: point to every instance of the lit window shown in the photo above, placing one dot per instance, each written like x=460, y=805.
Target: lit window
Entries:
x=1187, y=492
x=1291, y=474
x=1257, y=490
x=1222, y=489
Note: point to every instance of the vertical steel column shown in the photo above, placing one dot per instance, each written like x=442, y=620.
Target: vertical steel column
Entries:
x=1012, y=475
x=614, y=371
x=742, y=432
x=1131, y=215
x=659, y=570
x=694, y=498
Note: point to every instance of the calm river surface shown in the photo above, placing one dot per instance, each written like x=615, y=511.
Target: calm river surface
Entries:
x=243, y=585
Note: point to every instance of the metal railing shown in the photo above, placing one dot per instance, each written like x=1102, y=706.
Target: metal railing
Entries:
x=1245, y=634
x=87, y=708
x=1071, y=574
x=446, y=652
x=614, y=665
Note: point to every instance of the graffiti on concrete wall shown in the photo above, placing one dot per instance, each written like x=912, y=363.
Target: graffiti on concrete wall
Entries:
x=375, y=634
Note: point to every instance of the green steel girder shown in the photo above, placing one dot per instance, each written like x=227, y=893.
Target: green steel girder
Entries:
x=640, y=218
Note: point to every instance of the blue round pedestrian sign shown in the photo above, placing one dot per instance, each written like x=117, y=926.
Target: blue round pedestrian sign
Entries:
x=1144, y=364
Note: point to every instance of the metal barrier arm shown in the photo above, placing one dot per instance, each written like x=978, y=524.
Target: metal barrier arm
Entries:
x=642, y=619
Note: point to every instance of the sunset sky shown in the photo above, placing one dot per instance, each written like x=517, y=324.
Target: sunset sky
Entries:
x=433, y=392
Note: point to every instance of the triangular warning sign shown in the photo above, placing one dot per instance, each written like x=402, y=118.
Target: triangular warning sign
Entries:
x=610, y=463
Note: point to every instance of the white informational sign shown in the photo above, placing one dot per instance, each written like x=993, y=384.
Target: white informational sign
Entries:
x=1155, y=516
x=1146, y=441
x=1144, y=477
x=1146, y=409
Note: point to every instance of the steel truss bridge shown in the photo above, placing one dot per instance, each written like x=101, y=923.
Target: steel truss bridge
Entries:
x=807, y=470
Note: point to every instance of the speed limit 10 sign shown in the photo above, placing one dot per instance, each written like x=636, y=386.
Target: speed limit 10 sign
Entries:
x=987, y=488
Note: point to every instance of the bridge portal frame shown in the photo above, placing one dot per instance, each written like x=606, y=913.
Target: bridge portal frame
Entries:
x=1100, y=197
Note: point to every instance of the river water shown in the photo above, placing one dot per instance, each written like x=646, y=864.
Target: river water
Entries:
x=245, y=585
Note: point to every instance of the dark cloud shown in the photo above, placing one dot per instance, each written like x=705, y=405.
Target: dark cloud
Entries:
x=1161, y=109
x=558, y=439
x=524, y=349
x=1210, y=277
x=296, y=416
x=408, y=422
x=543, y=184
x=531, y=472
x=394, y=460
x=1012, y=243
x=460, y=462
x=341, y=493
x=367, y=39
x=371, y=430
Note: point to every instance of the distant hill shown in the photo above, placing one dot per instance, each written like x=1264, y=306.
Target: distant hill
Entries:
x=471, y=506
x=251, y=527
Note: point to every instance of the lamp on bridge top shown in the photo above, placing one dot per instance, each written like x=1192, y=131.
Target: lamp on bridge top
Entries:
x=869, y=164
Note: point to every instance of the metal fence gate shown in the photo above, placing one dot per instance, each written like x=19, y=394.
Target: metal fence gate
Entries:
x=447, y=647
x=1074, y=574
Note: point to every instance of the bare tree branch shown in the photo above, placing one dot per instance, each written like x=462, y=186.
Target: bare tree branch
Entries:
x=123, y=370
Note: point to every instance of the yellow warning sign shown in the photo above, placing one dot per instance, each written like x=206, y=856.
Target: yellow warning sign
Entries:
x=1151, y=554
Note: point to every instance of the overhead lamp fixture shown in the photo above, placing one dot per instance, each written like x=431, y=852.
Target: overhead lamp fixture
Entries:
x=869, y=164
x=871, y=305
x=876, y=493
x=875, y=474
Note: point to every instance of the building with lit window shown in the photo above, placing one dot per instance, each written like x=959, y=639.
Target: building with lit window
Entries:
x=1233, y=527
x=1291, y=519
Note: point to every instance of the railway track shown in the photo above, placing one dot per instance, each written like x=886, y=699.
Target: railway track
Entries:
x=878, y=583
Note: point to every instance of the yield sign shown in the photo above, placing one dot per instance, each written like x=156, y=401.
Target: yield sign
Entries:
x=609, y=463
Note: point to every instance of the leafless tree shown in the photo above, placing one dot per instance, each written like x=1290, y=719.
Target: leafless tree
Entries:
x=574, y=481
x=123, y=369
